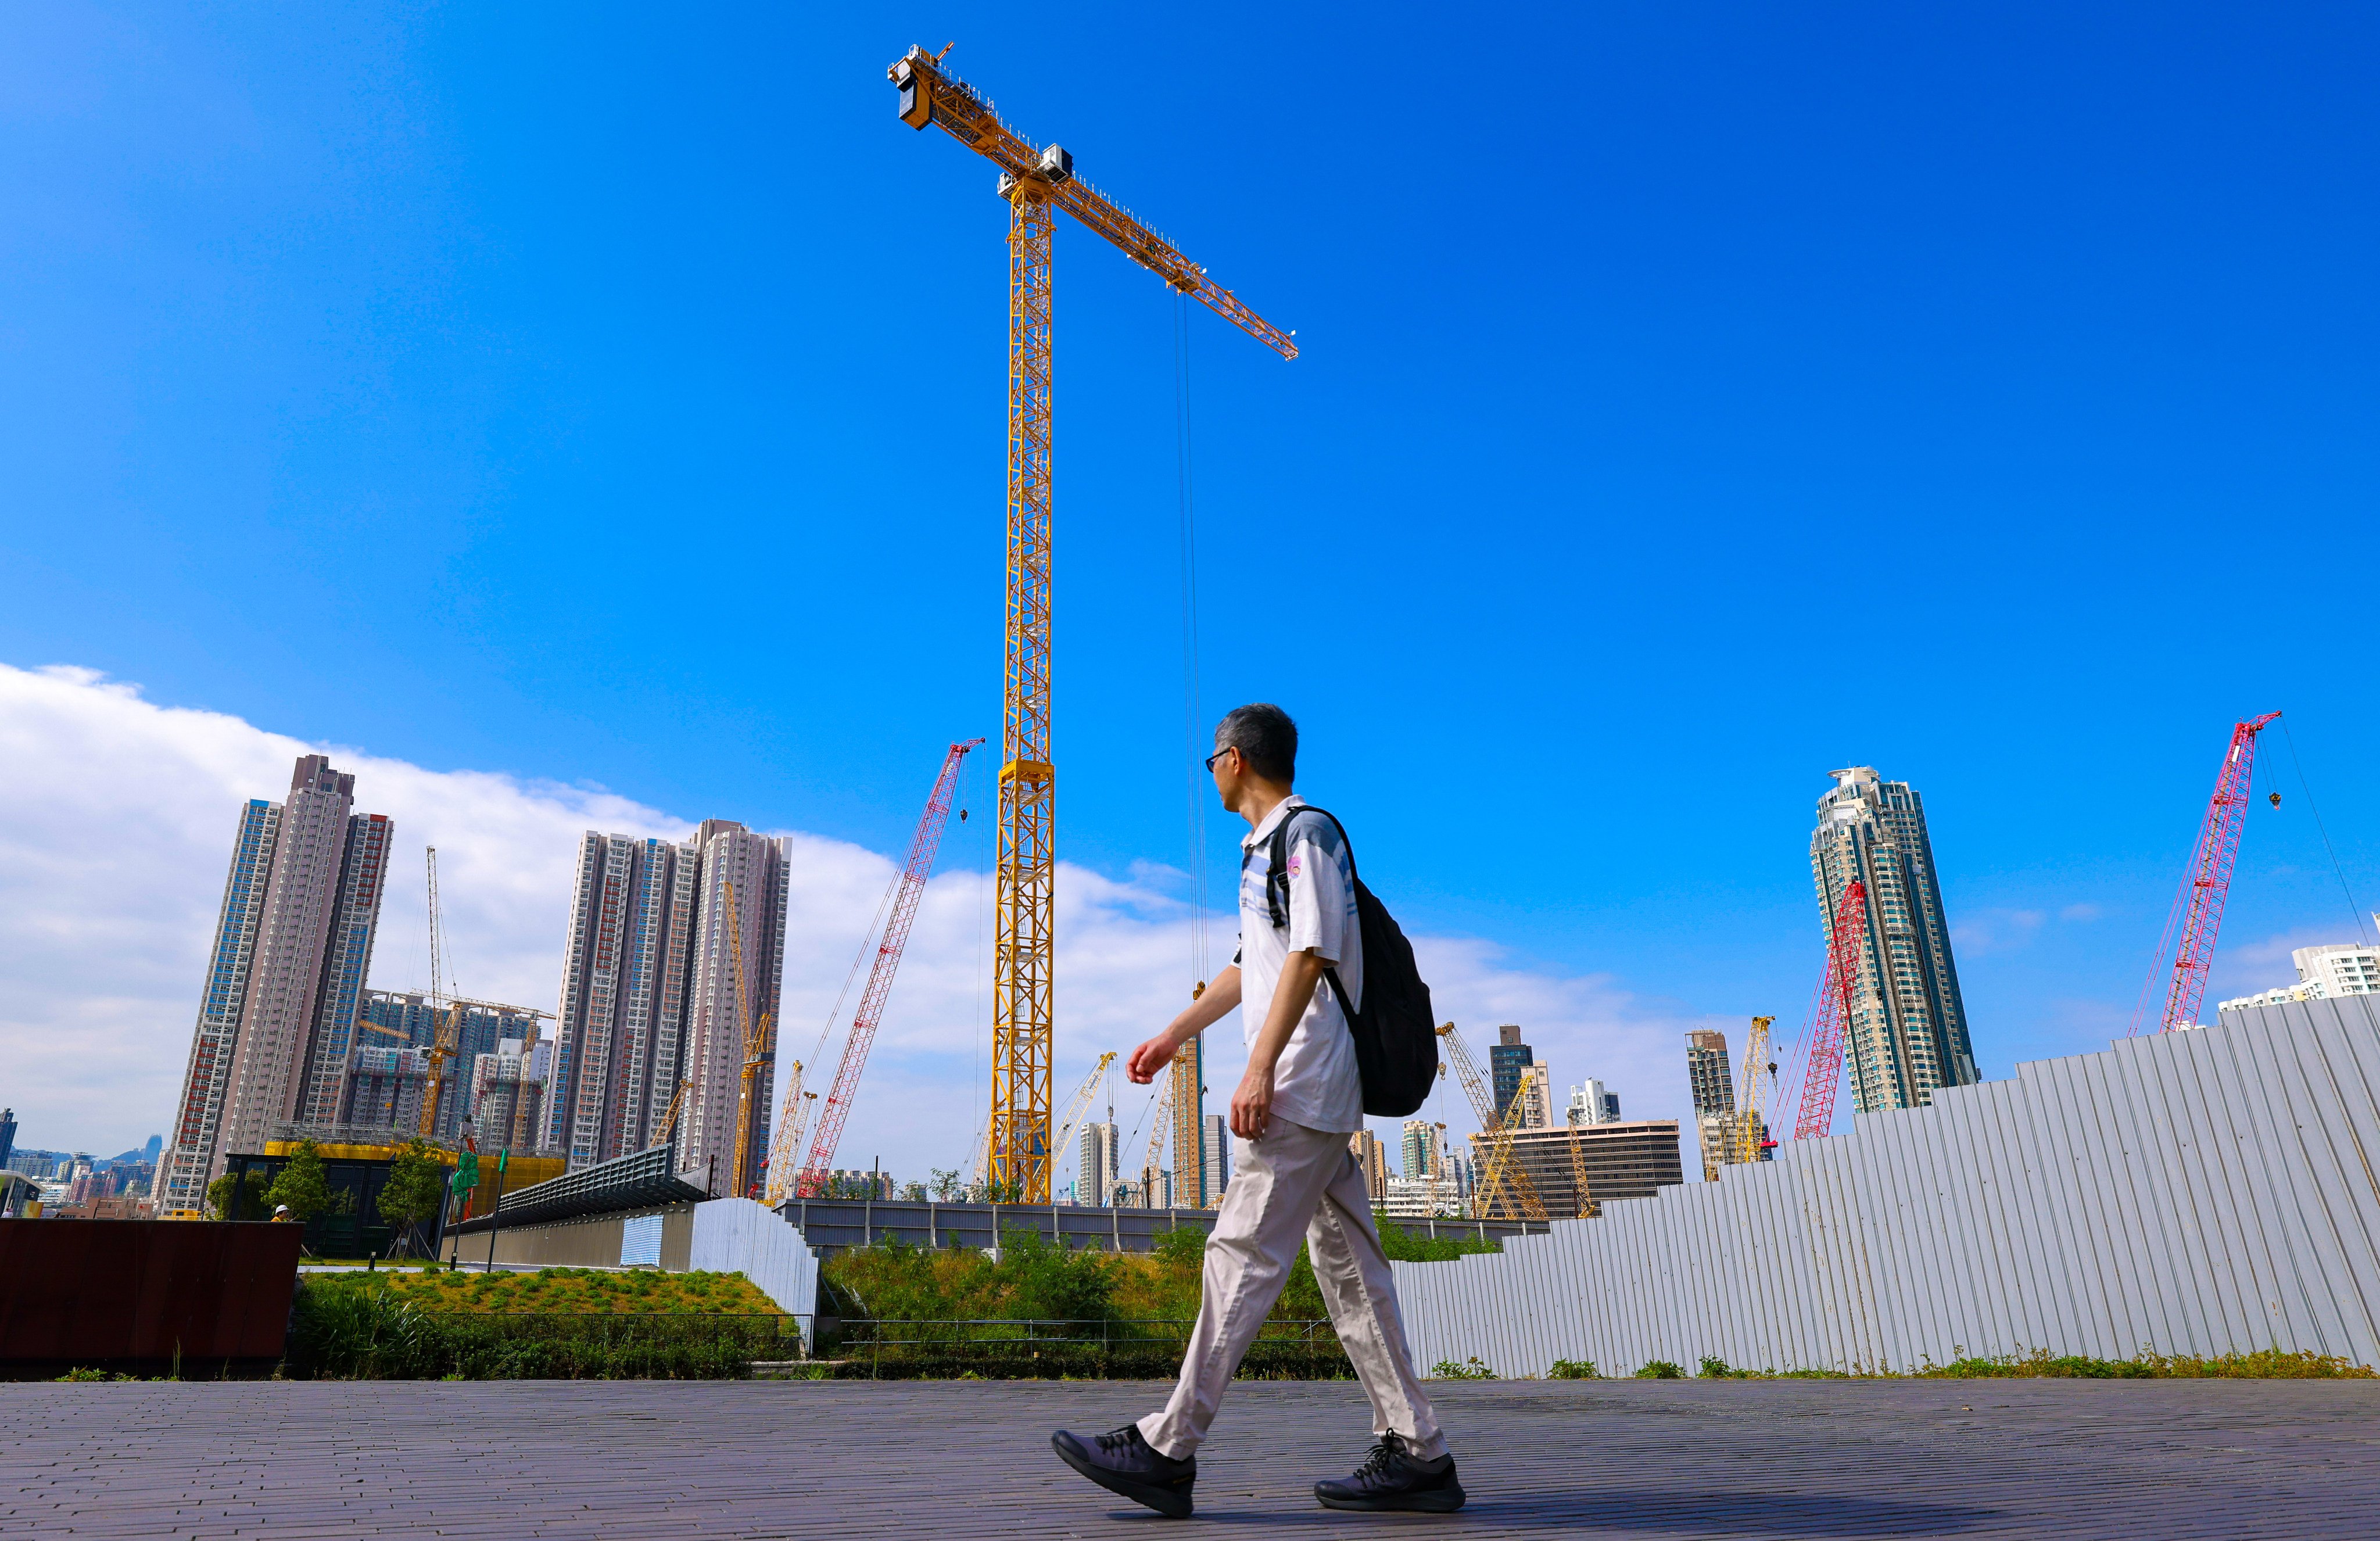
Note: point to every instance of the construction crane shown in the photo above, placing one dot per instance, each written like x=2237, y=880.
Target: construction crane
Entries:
x=446, y=1037
x=758, y=1073
x=1749, y=1141
x=1036, y=183
x=2197, y=913
x=1832, y=1015
x=1502, y=1171
x=669, y=1119
x=1161, y=1124
x=1582, y=1192
x=1070, y=1122
x=735, y=1175
x=914, y=869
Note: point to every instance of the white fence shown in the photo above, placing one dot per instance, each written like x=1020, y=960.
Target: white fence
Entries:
x=2200, y=1191
x=736, y=1235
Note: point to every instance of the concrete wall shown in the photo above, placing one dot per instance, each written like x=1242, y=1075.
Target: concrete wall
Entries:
x=2200, y=1191
x=592, y=1242
x=724, y=1235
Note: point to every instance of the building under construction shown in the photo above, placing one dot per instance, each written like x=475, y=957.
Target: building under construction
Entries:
x=1628, y=1160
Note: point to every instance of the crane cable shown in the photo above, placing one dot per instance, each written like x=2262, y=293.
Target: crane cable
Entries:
x=1191, y=720
x=2361, y=934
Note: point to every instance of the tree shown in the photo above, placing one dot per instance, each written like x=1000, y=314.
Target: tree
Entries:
x=415, y=1191
x=945, y=1184
x=253, y=1204
x=303, y=1184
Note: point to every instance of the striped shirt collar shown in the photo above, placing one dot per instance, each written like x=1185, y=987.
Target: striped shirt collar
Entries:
x=1281, y=810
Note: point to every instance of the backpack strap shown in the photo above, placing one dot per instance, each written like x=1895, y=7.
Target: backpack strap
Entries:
x=1277, y=891
x=1276, y=859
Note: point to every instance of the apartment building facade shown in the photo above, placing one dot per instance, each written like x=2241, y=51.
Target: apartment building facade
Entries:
x=1907, y=1035
x=285, y=976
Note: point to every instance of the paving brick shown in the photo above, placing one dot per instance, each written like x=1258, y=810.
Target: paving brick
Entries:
x=560, y=1460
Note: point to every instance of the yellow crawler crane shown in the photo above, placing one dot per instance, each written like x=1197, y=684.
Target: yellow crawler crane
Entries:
x=1747, y=1103
x=1037, y=183
x=1502, y=1171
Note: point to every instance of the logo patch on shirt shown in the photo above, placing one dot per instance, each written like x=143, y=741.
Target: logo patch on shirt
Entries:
x=1293, y=861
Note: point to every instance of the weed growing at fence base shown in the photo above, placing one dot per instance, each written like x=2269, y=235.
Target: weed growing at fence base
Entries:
x=2262, y=1365
x=1574, y=1369
x=1470, y=1369
x=1660, y=1369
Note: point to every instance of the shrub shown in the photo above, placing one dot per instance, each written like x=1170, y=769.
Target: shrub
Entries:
x=1715, y=1368
x=1572, y=1369
x=1660, y=1369
x=1470, y=1369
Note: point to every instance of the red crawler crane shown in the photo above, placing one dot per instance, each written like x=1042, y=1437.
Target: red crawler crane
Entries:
x=2197, y=913
x=922, y=847
x=1825, y=1069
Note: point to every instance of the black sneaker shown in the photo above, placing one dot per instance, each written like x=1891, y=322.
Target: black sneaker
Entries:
x=1124, y=1462
x=1393, y=1477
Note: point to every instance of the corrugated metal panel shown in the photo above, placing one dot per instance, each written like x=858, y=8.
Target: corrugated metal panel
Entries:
x=2206, y=1192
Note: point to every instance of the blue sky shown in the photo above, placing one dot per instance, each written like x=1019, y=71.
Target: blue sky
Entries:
x=1694, y=399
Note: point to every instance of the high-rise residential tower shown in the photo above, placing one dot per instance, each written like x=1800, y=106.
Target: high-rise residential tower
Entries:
x=1215, y=1157
x=648, y=1012
x=1507, y=1057
x=293, y=945
x=1706, y=1072
x=1094, y=1183
x=1908, y=1028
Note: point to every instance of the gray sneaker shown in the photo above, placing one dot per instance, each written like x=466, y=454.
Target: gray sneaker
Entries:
x=1124, y=1462
x=1392, y=1477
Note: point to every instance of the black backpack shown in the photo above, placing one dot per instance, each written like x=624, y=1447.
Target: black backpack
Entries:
x=1396, y=1033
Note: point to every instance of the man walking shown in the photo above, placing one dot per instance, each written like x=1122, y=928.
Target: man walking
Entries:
x=1294, y=1177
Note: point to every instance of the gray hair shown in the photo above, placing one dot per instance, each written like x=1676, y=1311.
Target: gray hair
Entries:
x=1265, y=736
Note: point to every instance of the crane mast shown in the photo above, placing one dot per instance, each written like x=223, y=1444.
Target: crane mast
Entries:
x=1824, y=1074
x=2197, y=913
x=445, y=1011
x=1755, y=1056
x=923, y=847
x=1036, y=183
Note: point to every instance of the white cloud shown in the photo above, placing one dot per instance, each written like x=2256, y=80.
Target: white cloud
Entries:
x=118, y=817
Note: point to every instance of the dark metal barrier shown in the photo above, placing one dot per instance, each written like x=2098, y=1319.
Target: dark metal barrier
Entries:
x=1121, y=1349
x=144, y=1297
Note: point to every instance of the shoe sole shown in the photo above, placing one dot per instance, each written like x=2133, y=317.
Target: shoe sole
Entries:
x=1441, y=1501
x=1165, y=1500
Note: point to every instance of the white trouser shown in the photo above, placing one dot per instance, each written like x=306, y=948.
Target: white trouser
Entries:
x=1296, y=1182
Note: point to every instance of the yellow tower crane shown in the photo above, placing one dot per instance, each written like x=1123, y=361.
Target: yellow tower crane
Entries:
x=759, y=1045
x=1502, y=1171
x=1747, y=1105
x=447, y=1036
x=1037, y=183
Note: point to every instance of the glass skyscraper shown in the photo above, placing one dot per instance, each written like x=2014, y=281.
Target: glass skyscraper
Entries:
x=1908, y=1028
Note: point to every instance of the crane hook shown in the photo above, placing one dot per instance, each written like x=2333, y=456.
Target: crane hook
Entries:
x=2276, y=797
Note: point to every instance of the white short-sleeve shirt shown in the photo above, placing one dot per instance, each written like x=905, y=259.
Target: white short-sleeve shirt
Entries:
x=1316, y=1082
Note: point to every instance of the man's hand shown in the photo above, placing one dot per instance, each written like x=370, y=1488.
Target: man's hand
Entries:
x=1222, y=995
x=1251, y=1104
x=1143, y=1064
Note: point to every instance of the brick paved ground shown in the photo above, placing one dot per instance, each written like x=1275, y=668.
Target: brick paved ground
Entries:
x=2162, y=1459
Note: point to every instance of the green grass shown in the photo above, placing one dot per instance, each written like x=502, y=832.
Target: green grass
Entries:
x=357, y=1326
x=2261, y=1365
x=572, y=1292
